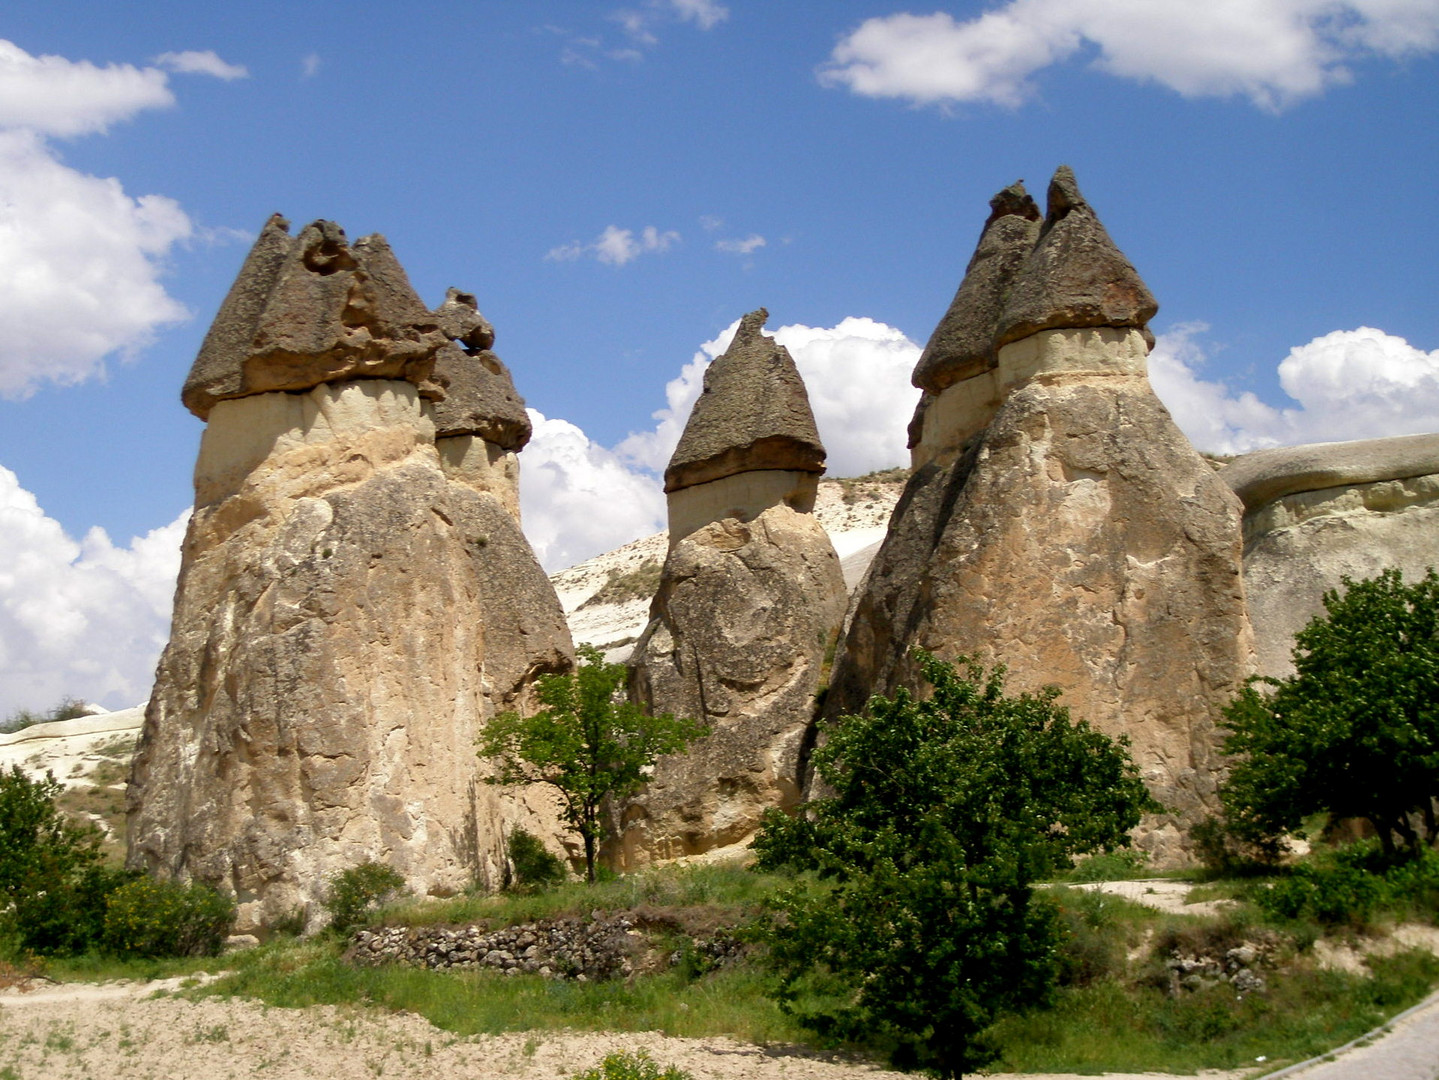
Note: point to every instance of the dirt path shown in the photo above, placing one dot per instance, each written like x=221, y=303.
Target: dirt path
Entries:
x=122, y=1032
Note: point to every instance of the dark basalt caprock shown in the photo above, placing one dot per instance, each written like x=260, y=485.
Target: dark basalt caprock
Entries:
x=963, y=344
x=1074, y=277
x=754, y=413
x=313, y=309
x=480, y=396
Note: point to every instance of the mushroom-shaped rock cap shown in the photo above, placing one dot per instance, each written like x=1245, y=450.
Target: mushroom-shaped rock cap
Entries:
x=480, y=398
x=963, y=343
x=1075, y=277
x=753, y=414
x=312, y=309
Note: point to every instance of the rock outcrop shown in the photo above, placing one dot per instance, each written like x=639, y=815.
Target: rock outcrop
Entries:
x=749, y=599
x=750, y=441
x=353, y=603
x=1057, y=521
x=1316, y=514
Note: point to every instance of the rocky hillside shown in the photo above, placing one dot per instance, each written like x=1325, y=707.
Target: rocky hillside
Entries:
x=607, y=599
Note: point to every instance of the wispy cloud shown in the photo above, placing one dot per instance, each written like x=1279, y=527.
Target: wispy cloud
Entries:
x=192, y=62
x=616, y=246
x=1273, y=52
x=640, y=28
x=310, y=65
x=747, y=246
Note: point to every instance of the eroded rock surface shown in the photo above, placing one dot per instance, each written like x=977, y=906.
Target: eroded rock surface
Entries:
x=1315, y=514
x=753, y=414
x=749, y=599
x=353, y=604
x=1075, y=536
x=737, y=637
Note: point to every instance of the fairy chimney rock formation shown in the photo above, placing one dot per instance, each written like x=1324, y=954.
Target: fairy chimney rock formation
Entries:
x=350, y=610
x=750, y=598
x=481, y=424
x=1057, y=521
x=750, y=441
x=1318, y=513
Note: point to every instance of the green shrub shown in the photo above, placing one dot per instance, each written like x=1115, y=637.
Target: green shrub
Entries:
x=70, y=919
x=20, y=719
x=535, y=866
x=1351, y=885
x=149, y=917
x=44, y=860
x=358, y=890
x=637, y=1066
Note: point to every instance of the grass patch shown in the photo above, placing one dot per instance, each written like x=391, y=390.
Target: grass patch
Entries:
x=730, y=888
x=299, y=974
x=641, y=583
x=1110, y=1027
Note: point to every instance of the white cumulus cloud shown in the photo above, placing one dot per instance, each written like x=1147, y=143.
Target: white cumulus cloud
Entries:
x=1348, y=384
x=578, y=499
x=81, y=261
x=616, y=246
x=51, y=95
x=193, y=62
x=1273, y=52
x=79, y=618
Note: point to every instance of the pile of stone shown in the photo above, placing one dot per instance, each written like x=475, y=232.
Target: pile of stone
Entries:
x=585, y=950
x=1237, y=967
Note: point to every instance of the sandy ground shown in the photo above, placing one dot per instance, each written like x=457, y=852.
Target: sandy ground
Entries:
x=125, y=1032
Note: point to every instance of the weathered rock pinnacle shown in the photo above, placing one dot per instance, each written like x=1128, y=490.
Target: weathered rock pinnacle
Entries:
x=480, y=396
x=1057, y=520
x=314, y=309
x=753, y=414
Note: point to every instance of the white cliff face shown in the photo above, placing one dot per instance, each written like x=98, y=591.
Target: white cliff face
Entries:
x=1316, y=514
x=334, y=652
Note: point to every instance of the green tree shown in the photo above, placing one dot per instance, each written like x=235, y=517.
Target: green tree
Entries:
x=52, y=886
x=587, y=742
x=920, y=925
x=1355, y=730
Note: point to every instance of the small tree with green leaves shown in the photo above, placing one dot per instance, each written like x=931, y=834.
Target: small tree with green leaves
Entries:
x=922, y=926
x=587, y=742
x=1355, y=730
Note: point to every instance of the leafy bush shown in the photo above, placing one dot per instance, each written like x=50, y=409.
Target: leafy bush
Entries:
x=588, y=743
x=358, y=890
x=535, y=866
x=924, y=926
x=148, y=917
x=637, y=1066
x=1351, y=885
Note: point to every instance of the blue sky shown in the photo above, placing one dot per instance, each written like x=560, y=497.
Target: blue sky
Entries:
x=619, y=183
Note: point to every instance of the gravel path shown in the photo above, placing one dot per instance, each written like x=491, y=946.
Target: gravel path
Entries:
x=122, y=1032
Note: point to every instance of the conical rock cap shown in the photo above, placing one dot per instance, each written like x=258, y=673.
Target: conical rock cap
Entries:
x=312, y=309
x=753, y=414
x=1075, y=277
x=963, y=344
